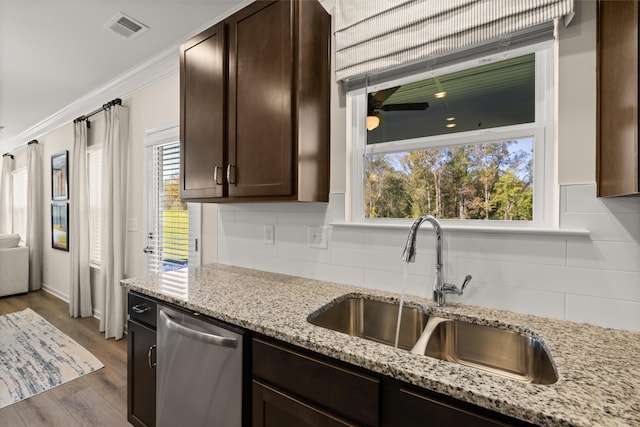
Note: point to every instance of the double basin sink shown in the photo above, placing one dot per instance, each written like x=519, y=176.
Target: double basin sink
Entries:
x=500, y=351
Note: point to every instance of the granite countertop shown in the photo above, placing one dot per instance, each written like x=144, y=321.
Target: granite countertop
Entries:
x=598, y=368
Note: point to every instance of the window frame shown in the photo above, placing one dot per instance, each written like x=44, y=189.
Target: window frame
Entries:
x=542, y=129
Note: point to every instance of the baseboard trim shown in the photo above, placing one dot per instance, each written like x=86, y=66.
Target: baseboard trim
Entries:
x=56, y=293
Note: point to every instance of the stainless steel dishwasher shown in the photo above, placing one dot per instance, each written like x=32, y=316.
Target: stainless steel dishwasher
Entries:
x=199, y=372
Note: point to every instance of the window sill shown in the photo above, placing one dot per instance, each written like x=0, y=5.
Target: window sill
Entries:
x=495, y=229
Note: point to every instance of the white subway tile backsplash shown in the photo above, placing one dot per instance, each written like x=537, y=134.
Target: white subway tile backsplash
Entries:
x=377, y=260
x=343, y=237
x=621, y=227
x=605, y=312
x=248, y=217
x=504, y=247
x=412, y=284
x=522, y=300
x=226, y=216
x=279, y=265
x=614, y=284
x=594, y=279
x=392, y=241
x=487, y=271
x=623, y=256
x=305, y=219
x=333, y=273
x=582, y=198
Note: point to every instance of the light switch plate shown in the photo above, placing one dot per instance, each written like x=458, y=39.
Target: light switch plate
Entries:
x=318, y=237
x=269, y=234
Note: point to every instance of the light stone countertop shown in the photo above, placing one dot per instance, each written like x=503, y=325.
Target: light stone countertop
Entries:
x=598, y=368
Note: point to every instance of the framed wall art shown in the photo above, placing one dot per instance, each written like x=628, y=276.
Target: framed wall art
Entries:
x=60, y=176
x=60, y=226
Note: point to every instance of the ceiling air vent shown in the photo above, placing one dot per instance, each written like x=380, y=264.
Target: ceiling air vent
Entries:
x=126, y=26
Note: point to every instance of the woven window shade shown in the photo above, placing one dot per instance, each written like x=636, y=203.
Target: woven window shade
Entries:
x=376, y=35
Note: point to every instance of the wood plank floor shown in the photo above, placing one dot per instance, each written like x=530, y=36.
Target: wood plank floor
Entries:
x=96, y=399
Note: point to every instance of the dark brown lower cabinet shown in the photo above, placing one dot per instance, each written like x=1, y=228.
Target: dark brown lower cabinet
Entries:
x=274, y=408
x=412, y=408
x=141, y=375
x=295, y=387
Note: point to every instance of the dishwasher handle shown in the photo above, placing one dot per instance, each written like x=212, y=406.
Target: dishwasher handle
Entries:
x=197, y=335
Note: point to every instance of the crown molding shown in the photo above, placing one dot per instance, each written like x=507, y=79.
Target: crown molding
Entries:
x=146, y=73
x=154, y=69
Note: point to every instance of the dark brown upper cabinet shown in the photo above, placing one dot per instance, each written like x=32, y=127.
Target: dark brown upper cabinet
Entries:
x=254, y=106
x=617, y=99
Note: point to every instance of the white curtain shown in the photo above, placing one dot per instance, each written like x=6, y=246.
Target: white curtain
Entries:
x=114, y=207
x=6, y=197
x=35, y=214
x=372, y=35
x=80, y=292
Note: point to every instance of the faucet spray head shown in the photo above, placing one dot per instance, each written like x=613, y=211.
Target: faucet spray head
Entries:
x=409, y=254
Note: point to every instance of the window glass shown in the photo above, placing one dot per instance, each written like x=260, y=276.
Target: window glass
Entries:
x=494, y=95
x=94, y=166
x=490, y=181
x=19, y=214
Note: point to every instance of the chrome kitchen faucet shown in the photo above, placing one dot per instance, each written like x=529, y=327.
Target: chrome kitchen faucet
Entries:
x=440, y=287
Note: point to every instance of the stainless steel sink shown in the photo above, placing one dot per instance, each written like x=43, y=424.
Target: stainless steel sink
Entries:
x=373, y=320
x=502, y=352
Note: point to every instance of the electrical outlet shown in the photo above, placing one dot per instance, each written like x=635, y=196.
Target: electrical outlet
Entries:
x=318, y=237
x=269, y=234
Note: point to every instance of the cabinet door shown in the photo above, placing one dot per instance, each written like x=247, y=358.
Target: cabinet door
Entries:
x=617, y=151
x=273, y=408
x=410, y=409
x=141, y=377
x=202, y=114
x=260, y=100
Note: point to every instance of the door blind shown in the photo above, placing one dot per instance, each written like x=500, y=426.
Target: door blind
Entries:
x=168, y=239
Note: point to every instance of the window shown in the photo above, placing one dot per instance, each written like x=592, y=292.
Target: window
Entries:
x=19, y=214
x=464, y=142
x=94, y=169
x=173, y=227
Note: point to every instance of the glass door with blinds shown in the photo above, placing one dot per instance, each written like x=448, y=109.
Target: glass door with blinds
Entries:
x=173, y=227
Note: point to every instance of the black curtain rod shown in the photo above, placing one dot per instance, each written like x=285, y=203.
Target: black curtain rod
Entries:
x=106, y=106
x=33, y=141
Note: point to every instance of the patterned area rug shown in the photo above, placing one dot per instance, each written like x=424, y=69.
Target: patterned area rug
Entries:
x=35, y=356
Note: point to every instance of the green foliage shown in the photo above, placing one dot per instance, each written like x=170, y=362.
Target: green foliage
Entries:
x=480, y=181
x=171, y=195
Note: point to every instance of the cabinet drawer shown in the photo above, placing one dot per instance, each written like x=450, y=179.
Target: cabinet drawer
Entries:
x=415, y=408
x=347, y=393
x=142, y=309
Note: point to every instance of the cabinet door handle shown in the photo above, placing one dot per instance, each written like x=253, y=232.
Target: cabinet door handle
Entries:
x=216, y=175
x=229, y=179
x=140, y=308
x=152, y=363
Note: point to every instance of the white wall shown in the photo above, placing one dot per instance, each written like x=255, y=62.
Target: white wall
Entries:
x=152, y=106
x=594, y=279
